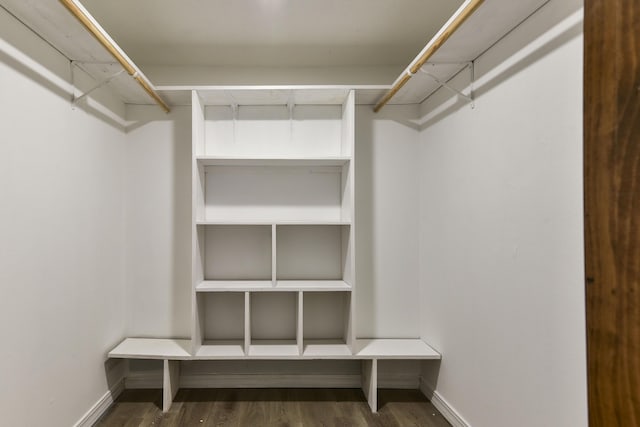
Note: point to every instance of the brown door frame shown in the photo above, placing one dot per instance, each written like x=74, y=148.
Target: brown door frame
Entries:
x=612, y=210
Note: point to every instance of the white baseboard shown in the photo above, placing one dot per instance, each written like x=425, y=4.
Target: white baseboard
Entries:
x=153, y=379
x=441, y=404
x=100, y=407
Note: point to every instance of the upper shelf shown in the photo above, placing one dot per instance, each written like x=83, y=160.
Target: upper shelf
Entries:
x=273, y=95
x=492, y=20
x=53, y=22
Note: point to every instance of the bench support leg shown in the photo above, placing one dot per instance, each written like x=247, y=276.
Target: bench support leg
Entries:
x=370, y=382
x=171, y=377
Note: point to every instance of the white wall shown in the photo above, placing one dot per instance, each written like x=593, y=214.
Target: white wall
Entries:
x=158, y=222
x=61, y=236
x=501, y=244
x=387, y=182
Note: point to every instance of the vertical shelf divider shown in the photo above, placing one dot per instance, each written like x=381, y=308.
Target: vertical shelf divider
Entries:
x=247, y=322
x=274, y=255
x=197, y=209
x=300, y=323
x=348, y=212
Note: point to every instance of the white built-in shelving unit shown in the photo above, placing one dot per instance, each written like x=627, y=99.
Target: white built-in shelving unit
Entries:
x=273, y=230
x=273, y=235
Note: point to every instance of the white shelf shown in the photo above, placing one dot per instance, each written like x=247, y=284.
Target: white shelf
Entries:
x=260, y=221
x=273, y=95
x=394, y=349
x=482, y=29
x=53, y=23
x=234, y=285
x=273, y=349
x=181, y=95
x=152, y=348
x=272, y=161
x=326, y=349
x=313, y=285
x=176, y=349
x=231, y=349
x=267, y=285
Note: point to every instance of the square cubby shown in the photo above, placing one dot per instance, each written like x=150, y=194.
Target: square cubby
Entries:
x=237, y=252
x=312, y=252
x=274, y=324
x=326, y=323
x=222, y=322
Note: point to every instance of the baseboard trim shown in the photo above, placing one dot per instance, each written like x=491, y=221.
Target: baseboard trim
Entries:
x=441, y=404
x=100, y=407
x=153, y=379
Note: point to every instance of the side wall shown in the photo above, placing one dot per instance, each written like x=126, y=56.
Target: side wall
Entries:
x=61, y=237
x=501, y=243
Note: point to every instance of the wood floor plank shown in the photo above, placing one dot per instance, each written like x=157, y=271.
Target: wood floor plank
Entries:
x=406, y=412
x=272, y=407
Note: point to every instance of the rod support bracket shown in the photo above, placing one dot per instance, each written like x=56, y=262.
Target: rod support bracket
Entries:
x=76, y=99
x=235, y=108
x=290, y=107
x=445, y=83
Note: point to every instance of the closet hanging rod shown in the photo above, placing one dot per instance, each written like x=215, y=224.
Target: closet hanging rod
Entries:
x=456, y=20
x=89, y=22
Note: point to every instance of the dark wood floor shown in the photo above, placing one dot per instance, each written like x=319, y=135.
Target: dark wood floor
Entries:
x=272, y=407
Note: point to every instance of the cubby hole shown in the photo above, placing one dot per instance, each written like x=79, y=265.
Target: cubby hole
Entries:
x=312, y=252
x=325, y=323
x=237, y=253
x=274, y=324
x=222, y=319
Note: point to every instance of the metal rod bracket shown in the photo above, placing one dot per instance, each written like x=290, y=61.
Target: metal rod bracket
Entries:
x=290, y=106
x=76, y=99
x=444, y=83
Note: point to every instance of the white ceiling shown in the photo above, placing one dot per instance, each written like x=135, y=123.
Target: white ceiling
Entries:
x=272, y=32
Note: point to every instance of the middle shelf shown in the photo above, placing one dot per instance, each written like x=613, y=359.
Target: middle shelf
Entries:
x=268, y=285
